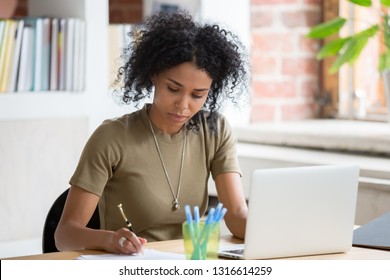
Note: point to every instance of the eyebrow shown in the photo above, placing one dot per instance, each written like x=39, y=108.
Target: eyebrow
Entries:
x=179, y=84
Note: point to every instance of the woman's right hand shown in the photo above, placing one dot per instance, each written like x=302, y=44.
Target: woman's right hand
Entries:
x=72, y=233
x=126, y=242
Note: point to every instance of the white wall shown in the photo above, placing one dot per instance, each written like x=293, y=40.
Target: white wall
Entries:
x=235, y=16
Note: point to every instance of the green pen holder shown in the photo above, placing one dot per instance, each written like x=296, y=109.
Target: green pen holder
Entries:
x=201, y=241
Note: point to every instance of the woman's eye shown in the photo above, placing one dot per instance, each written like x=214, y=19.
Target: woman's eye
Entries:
x=197, y=96
x=173, y=89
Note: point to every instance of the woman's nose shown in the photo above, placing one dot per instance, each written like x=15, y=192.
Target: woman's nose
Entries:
x=182, y=103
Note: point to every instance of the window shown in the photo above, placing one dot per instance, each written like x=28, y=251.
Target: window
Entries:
x=355, y=92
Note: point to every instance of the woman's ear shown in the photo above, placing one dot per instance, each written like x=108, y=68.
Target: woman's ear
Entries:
x=153, y=79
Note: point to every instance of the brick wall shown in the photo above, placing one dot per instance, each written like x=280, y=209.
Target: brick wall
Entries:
x=285, y=71
x=285, y=77
x=125, y=11
x=21, y=9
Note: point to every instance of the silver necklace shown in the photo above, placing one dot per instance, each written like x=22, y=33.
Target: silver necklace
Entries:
x=175, y=203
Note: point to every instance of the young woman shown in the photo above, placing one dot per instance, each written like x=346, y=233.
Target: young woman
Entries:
x=159, y=158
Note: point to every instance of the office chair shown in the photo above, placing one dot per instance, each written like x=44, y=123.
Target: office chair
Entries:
x=52, y=219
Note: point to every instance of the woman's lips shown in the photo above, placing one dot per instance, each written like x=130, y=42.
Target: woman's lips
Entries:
x=178, y=117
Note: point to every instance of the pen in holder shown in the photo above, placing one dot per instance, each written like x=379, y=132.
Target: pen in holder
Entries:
x=201, y=238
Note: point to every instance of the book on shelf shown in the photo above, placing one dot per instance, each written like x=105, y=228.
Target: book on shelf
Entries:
x=41, y=61
x=81, y=62
x=72, y=56
x=69, y=53
x=16, y=57
x=4, y=29
x=25, y=78
x=37, y=55
x=79, y=56
x=61, y=54
x=26, y=64
x=54, y=55
x=7, y=51
x=42, y=54
x=2, y=23
x=46, y=49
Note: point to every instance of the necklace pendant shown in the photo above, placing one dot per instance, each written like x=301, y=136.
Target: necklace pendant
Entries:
x=176, y=205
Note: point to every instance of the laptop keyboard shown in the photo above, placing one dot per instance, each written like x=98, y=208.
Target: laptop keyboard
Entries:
x=236, y=251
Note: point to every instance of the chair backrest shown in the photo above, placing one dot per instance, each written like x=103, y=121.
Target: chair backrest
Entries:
x=52, y=219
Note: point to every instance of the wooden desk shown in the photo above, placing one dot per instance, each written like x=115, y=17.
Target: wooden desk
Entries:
x=176, y=246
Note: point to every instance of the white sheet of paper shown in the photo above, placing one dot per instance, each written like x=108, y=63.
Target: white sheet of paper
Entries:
x=148, y=254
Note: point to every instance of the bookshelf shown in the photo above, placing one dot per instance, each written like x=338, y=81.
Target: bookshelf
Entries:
x=46, y=104
x=42, y=133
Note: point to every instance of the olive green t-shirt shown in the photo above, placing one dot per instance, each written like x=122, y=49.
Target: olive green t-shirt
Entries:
x=120, y=163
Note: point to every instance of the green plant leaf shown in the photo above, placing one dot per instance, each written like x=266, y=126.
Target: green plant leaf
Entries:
x=386, y=30
x=327, y=28
x=384, y=61
x=385, y=3
x=369, y=32
x=332, y=48
x=364, y=3
x=353, y=47
x=350, y=53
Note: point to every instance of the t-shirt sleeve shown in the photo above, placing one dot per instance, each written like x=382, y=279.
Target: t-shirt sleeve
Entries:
x=99, y=158
x=225, y=158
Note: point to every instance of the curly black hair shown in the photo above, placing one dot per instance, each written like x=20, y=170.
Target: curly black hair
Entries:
x=167, y=40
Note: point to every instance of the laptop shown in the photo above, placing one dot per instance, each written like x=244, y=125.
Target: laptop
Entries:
x=299, y=211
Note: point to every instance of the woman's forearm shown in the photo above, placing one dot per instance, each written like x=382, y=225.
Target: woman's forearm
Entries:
x=236, y=222
x=72, y=237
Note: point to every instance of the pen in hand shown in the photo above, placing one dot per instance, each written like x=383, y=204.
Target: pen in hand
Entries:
x=124, y=217
x=142, y=240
